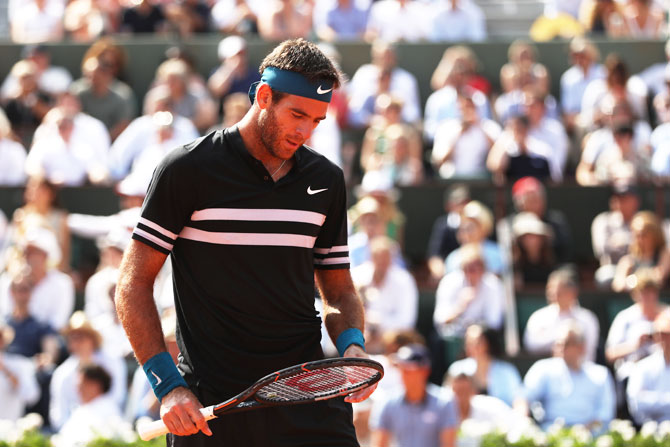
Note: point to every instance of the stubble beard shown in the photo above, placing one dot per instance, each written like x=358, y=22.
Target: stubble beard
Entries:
x=269, y=133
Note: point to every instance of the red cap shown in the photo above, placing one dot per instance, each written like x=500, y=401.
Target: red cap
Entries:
x=526, y=184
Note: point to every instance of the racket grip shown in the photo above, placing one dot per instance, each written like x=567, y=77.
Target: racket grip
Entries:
x=153, y=429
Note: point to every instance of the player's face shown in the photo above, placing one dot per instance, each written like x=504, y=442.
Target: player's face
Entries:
x=286, y=124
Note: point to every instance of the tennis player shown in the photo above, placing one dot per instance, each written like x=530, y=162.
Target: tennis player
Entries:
x=250, y=217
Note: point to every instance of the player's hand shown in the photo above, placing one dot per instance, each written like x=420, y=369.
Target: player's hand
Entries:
x=180, y=411
x=359, y=396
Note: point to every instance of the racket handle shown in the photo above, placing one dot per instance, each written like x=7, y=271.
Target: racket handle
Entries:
x=153, y=429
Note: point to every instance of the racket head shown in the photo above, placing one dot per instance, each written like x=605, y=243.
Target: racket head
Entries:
x=317, y=380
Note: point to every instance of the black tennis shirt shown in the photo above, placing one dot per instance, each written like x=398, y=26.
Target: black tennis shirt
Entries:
x=243, y=251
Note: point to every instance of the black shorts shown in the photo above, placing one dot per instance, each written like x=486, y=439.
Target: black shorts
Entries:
x=326, y=423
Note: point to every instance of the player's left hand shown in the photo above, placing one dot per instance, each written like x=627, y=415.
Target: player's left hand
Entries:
x=359, y=396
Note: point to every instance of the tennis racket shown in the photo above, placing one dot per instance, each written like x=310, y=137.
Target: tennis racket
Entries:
x=300, y=384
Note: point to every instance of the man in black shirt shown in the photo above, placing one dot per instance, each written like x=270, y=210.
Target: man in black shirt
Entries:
x=249, y=217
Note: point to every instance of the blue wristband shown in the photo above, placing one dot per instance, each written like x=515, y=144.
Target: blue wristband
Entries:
x=163, y=375
x=351, y=336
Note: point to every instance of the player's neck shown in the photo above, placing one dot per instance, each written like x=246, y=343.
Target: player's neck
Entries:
x=250, y=134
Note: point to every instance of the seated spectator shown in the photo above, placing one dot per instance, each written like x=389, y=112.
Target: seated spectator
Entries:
x=12, y=156
x=457, y=21
x=517, y=154
x=462, y=144
x=647, y=390
x=66, y=161
x=36, y=21
x=454, y=77
x=235, y=74
x=83, y=344
x=18, y=387
x=522, y=55
x=97, y=412
x=654, y=76
x=51, y=79
x=86, y=20
x=611, y=231
x=468, y=296
x=486, y=372
x=344, y=21
x=382, y=191
x=602, y=18
x=235, y=107
x=562, y=305
x=532, y=251
x=389, y=292
x=394, y=20
x=661, y=103
x=443, y=237
x=644, y=19
x=570, y=388
x=584, y=68
x=188, y=17
x=143, y=16
x=387, y=112
x=647, y=249
x=396, y=420
x=545, y=128
x=397, y=155
x=28, y=104
x=285, y=19
x=382, y=75
x=52, y=296
x=630, y=335
x=235, y=17
x=475, y=227
x=516, y=82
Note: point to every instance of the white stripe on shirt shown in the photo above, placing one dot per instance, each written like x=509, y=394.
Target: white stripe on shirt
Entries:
x=267, y=239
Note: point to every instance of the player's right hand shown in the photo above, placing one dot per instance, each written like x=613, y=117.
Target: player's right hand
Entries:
x=180, y=411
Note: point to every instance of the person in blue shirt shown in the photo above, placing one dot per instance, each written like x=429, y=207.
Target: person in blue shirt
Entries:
x=568, y=388
x=421, y=414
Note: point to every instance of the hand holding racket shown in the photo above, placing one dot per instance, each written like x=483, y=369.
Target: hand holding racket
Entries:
x=308, y=382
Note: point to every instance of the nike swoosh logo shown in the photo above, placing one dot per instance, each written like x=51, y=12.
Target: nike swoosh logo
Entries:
x=321, y=91
x=311, y=191
x=158, y=379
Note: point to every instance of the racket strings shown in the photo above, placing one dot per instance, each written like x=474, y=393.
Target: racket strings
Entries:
x=316, y=384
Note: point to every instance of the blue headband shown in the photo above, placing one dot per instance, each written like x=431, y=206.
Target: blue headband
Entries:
x=294, y=84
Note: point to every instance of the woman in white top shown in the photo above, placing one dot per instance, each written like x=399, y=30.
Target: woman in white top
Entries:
x=12, y=156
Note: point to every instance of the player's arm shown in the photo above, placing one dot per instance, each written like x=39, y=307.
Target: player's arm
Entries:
x=137, y=312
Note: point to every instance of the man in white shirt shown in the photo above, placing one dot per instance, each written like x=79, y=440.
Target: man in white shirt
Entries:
x=545, y=128
x=18, y=385
x=543, y=325
x=394, y=20
x=468, y=295
x=457, y=21
x=12, y=156
x=51, y=79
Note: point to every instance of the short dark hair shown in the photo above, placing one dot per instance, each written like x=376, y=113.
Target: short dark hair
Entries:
x=303, y=57
x=98, y=374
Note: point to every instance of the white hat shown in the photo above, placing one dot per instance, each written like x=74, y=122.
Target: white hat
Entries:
x=45, y=240
x=377, y=182
x=529, y=223
x=230, y=46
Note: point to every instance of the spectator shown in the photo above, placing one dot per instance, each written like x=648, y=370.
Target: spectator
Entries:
x=453, y=77
x=26, y=108
x=485, y=370
x=64, y=160
x=12, y=156
x=397, y=154
x=562, y=305
x=188, y=17
x=99, y=100
x=52, y=80
x=235, y=17
x=443, y=237
x=344, y=21
x=517, y=154
x=235, y=107
x=286, y=19
x=36, y=21
x=235, y=74
x=630, y=335
x=96, y=411
x=420, y=414
x=522, y=55
x=52, y=297
x=394, y=20
x=647, y=388
x=611, y=231
x=643, y=19
x=462, y=144
x=602, y=17
x=382, y=75
x=86, y=20
x=647, y=249
x=661, y=103
x=532, y=250
x=475, y=227
x=570, y=388
x=142, y=17
x=18, y=387
x=469, y=295
x=83, y=343
x=457, y=21
x=389, y=292
x=584, y=68
x=545, y=128
x=655, y=76
x=387, y=113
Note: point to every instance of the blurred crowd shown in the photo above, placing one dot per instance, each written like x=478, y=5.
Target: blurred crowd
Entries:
x=63, y=353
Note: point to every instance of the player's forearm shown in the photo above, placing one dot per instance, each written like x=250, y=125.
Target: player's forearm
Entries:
x=345, y=313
